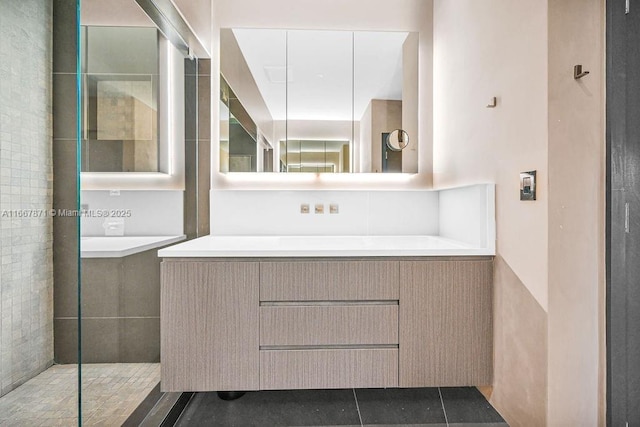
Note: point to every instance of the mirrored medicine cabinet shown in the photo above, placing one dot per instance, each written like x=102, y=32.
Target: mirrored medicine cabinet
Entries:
x=315, y=101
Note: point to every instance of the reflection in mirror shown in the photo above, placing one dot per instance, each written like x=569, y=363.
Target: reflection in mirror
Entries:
x=398, y=140
x=120, y=111
x=385, y=96
x=319, y=100
x=239, y=133
x=337, y=91
x=224, y=137
x=314, y=156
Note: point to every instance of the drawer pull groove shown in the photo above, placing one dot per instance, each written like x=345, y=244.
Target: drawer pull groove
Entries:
x=326, y=303
x=326, y=347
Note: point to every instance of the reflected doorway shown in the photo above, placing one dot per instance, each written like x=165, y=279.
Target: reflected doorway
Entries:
x=391, y=159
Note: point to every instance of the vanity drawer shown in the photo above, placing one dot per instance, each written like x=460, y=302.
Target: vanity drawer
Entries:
x=330, y=368
x=328, y=324
x=329, y=280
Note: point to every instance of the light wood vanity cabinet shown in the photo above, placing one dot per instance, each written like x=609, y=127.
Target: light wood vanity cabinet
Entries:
x=446, y=335
x=261, y=324
x=209, y=327
x=329, y=324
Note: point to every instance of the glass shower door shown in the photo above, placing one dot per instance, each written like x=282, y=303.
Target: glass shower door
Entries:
x=143, y=169
x=120, y=134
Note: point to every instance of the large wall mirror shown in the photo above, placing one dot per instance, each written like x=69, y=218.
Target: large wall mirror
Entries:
x=121, y=70
x=133, y=95
x=317, y=101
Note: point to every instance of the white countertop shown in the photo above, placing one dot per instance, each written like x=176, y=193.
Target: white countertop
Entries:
x=321, y=246
x=121, y=246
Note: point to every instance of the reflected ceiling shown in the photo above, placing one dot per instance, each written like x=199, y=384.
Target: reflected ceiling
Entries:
x=316, y=79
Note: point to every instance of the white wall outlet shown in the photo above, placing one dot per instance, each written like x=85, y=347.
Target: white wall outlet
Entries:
x=319, y=208
x=114, y=192
x=304, y=208
x=334, y=208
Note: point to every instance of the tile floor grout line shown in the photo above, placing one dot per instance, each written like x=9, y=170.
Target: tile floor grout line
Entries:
x=357, y=406
x=446, y=420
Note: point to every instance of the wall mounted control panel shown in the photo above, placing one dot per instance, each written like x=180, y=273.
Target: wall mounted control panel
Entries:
x=528, y=185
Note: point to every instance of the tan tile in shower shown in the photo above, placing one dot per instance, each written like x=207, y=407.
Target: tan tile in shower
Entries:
x=111, y=392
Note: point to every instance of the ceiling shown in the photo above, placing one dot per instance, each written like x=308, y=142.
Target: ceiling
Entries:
x=325, y=79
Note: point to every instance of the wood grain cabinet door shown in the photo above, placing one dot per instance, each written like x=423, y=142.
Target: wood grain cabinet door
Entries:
x=209, y=326
x=445, y=325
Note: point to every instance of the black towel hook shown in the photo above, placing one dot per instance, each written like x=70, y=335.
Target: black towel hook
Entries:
x=578, y=73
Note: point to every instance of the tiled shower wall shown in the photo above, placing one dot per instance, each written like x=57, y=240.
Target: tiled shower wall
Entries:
x=26, y=272
x=197, y=144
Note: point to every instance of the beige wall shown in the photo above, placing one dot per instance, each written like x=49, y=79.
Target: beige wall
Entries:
x=576, y=212
x=198, y=15
x=548, y=315
x=520, y=351
x=483, y=50
x=374, y=15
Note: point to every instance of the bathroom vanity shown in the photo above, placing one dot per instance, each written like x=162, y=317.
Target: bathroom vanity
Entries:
x=264, y=313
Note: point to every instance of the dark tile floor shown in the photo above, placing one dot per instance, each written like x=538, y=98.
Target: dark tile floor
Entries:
x=441, y=407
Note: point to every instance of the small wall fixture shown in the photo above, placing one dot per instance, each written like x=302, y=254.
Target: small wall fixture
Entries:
x=578, y=73
x=494, y=103
x=528, y=185
x=398, y=140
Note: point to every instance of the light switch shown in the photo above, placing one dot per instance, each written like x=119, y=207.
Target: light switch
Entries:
x=319, y=208
x=334, y=208
x=304, y=208
x=528, y=185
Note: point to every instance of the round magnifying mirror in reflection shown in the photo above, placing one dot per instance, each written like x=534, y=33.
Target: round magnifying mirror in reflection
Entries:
x=398, y=140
